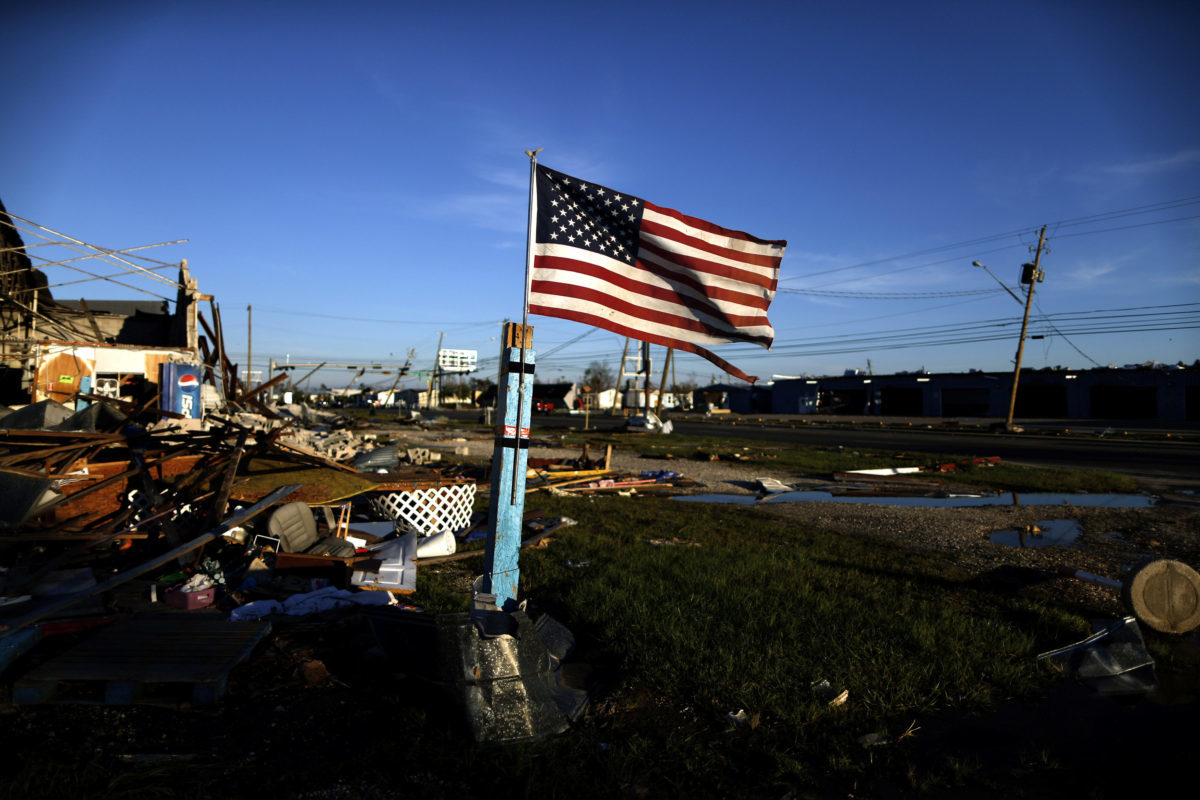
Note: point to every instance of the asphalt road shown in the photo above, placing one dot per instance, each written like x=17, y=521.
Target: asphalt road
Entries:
x=1152, y=455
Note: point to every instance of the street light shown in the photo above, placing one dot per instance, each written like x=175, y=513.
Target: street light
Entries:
x=1002, y=284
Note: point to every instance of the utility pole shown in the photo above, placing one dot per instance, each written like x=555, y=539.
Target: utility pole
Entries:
x=662, y=384
x=618, y=401
x=436, y=372
x=249, y=352
x=646, y=388
x=1032, y=274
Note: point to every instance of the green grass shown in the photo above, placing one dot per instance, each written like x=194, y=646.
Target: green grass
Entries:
x=755, y=615
x=762, y=604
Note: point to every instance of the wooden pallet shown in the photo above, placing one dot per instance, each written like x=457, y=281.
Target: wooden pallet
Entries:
x=161, y=659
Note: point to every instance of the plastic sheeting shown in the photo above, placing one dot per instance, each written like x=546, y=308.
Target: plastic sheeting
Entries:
x=1113, y=661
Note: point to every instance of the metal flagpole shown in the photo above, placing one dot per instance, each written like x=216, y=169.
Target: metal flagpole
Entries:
x=529, y=242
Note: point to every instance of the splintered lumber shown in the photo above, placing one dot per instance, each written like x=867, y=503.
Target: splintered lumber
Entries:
x=29, y=447
x=262, y=387
x=91, y=541
x=615, y=486
x=234, y=521
x=583, y=476
x=315, y=457
x=222, y=501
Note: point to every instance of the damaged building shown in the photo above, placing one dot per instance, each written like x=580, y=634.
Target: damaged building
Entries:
x=61, y=349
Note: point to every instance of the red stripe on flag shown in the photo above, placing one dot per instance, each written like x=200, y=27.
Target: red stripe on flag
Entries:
x=628, y=281
x=709, y=227
x=665, y=341
x=640, y=312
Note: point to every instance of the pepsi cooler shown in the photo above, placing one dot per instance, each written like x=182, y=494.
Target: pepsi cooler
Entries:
x=181, y=389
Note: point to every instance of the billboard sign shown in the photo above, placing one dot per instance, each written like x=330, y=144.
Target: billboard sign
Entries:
x=458, y=360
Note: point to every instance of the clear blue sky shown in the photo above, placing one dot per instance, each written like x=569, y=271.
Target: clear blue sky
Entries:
x=355, y=170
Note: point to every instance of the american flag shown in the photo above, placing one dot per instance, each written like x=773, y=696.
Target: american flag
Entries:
x=620, y=263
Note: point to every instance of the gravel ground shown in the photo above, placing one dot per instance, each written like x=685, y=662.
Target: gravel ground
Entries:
x=1112, y=540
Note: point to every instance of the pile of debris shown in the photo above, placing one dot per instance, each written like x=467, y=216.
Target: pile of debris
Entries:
x=119, y=494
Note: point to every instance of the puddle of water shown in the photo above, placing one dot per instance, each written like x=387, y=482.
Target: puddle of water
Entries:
x=727, y=499
x=1005, y=499
x=1048, y=533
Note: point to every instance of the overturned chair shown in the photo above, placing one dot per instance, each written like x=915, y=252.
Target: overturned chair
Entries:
x=294, y=525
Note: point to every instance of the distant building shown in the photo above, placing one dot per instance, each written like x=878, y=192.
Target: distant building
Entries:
x=1132, y=393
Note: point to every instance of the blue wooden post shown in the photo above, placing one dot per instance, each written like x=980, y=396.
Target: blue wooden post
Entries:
x=514, y=397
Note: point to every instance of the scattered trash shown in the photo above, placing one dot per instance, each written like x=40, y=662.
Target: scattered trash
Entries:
x=884, y=471
x=674, y=541
x=299, y=605
x=740, y=719
x=870, y=741
x=971, y=463
x=772, y=486
x=198, y=592
x=825, y=692
x=1071, y=572
x=648, y=423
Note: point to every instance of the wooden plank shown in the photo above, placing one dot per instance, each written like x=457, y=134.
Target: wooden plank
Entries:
x=141, y=658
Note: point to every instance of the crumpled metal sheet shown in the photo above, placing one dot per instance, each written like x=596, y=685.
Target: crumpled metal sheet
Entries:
x=41, y=415
x=381, y=458
x=510, y=684
x=95, y=418
x=22, y=495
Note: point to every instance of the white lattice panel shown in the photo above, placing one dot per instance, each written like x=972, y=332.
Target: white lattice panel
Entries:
x=429, y=511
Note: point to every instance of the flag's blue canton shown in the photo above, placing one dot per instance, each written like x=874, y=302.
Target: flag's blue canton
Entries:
x=587, y=215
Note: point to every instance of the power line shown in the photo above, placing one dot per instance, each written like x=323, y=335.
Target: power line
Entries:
x=958, y=340
x=950, y=260
x=891, y=295
x=1070, y=222
x=1126, y=319
x=1109, y=321
x=455, y=323
x=1126, y=227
